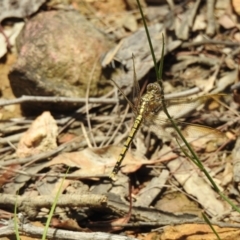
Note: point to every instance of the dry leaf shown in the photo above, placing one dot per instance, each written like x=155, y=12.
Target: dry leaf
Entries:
x=196, y=186
x=19, y=9
x=130, y=23
x=226, y=22
x=69, y=224
x=7, y=174
x=87, y=162
x=11, y=34
x=200, y=23
x=198, y=232
x=40, y=137
x=236, y=6
x=98, y=161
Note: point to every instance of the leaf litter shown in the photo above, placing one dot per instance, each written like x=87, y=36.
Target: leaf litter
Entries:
x=202, y=54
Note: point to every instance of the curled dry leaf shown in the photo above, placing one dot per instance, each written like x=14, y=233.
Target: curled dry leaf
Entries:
x=40, y=137
x=98, y=161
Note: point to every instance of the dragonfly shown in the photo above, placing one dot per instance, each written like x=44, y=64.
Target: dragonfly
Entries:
x=149, y=111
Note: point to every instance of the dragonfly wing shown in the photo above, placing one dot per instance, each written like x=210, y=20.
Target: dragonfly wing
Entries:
x=178, y=108
x=197, y=135
x=181, y=107
x=202, y=134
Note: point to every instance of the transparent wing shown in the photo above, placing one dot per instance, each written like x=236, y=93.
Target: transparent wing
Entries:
x=136, y=88
x=177, y=108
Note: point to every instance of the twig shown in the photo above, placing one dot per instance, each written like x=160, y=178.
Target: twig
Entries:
x=11, y=138
x=31, y=206
x=87, y=104
x=57, y=100
x=58, y=175
x=210, y=41
x=33, y=231
x=193, y=12
x=211, y=27
x=34, y=158
x=119, y=125
x=183, y=93
x=69, y=120
x=86, y=135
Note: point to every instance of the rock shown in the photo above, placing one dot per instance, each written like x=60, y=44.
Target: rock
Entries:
x=58, y=55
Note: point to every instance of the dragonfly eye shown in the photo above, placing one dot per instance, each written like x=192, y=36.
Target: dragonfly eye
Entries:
x=153, y=87
x=149, y=87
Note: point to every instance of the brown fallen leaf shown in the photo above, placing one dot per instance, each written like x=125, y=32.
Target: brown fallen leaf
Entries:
x=226, y=22
x=236, y=6
x=87, y=162
x=98, y=161
x=69, y=224
x=40, y=137
x=7, y=173
x=198, y=231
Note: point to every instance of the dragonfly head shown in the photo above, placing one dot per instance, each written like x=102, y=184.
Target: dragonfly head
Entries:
x=152, y=96
x=154, y=88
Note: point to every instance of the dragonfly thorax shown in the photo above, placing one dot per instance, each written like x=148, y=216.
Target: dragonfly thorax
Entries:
x=150, y=103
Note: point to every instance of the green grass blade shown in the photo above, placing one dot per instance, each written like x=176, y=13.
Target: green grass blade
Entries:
x=210, y=225
x=16, y=220
x=53, y=207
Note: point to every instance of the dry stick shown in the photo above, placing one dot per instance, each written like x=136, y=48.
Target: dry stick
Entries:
x=234, y=52
x=71, y=119
x=33, y=231
x=109, y=131
x=160, y=224
x=88, y=143
x=113, y=123
x=58, y=175
x=5, y=149
x=119, y=125
x=11, y=138
x=193, y=13
x=86, y=103
x=102, y=100
x=86, y=136
x=209, y=41
x=13, y=127
x=171, y=4
x=185, y=93
x=211, y=27
x=56, y=100
x=34, y=158
x=31, y=206
x=53, y=233
x=5, y=36
x=12, y=145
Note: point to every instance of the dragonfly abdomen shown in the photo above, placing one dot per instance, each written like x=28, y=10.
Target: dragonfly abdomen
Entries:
x=126, y=145
x=147, y=104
